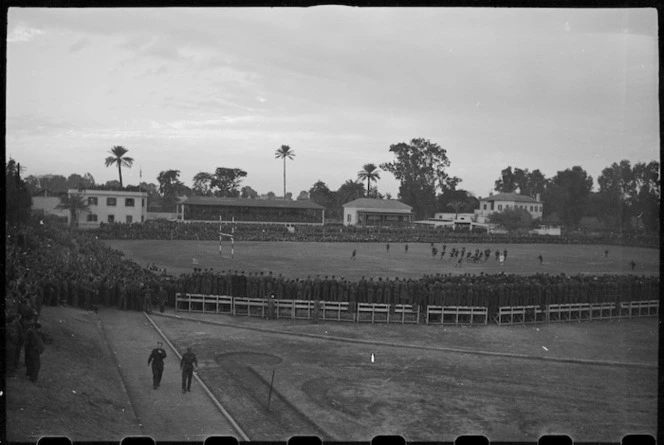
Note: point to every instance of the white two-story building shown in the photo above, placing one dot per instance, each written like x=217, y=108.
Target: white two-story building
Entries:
x=111, y=206
x=501, y=201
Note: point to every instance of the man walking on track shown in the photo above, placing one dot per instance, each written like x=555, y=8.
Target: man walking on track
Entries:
x=187, y=365
x=157, y=360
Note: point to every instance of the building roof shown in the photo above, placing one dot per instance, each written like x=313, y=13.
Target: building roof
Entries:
x=378, y=204
x=515, y=197
x=244, y=202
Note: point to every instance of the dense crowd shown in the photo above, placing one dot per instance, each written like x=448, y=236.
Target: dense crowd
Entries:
x=482, y=290
x=174, y=230
x=50, y=264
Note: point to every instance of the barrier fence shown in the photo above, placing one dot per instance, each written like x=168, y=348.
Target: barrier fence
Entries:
x=414, y=314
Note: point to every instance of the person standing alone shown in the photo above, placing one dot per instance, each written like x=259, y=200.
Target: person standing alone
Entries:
x=34, y=347
x=187, y=365
x=157, y=360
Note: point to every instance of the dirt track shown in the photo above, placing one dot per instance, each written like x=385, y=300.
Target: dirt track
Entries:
x=165, y=414
x=431, y=395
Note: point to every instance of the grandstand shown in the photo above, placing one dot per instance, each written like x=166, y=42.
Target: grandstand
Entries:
x=252, y=211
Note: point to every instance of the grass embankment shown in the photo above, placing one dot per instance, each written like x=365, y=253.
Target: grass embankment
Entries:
x=79, y=393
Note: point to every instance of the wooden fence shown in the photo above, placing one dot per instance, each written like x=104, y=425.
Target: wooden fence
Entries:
x=406, y=313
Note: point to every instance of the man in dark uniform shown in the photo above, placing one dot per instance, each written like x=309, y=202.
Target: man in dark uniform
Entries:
x=188, y=364
x=156, y=358
x=34, y=347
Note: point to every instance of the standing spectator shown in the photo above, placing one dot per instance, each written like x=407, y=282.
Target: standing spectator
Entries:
x=188, y=364
x=156, y=359
x=34, y=347
x=12, y=334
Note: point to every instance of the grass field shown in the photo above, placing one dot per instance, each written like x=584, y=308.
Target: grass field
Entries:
x=299, y=259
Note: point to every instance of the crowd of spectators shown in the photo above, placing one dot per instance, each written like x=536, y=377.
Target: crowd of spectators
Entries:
x=51, y=264
x=484, y=290
x=161, y=229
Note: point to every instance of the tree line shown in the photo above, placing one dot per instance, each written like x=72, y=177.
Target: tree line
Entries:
x=627, y=194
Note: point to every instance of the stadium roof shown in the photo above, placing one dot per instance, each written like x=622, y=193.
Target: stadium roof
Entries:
x=510, y=197
x=243, y=202
x=378, y=204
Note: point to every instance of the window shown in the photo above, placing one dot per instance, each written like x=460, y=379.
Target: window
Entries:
x=484, y=206
x=142, y=218
x=91, y=217
x=130, y=219
x=111, y=202
x=500, y=207
x=349, y=218
x=111, y=218
x=129, y=202
x=92, y=201
x=143, y=202
x=531, y=208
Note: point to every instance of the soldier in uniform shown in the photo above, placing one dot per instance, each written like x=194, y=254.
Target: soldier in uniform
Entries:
x=34, y=347
x=188, y=365
x=156, y=359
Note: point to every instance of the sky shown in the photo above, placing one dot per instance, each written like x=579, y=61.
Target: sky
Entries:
x=193, y=89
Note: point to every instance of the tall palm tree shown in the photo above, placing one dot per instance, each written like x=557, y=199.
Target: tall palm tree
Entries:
x=75, y=204
x=282, y=153
x=370, y=173
x=120, y=159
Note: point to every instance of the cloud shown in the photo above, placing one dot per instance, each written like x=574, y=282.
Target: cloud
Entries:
x=22, y=33
x=80, y=44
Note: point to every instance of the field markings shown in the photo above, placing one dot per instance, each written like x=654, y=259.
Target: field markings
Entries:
x=429, y=348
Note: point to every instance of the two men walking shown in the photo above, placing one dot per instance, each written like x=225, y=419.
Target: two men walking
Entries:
x=188, y=364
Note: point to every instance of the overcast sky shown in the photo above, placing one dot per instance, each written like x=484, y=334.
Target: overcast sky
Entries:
x=194, y=89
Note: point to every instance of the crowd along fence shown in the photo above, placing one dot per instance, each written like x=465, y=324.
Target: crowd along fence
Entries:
x=411, y=314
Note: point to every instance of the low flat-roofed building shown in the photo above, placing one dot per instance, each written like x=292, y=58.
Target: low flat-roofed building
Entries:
x=260, y=211
x=375, y=212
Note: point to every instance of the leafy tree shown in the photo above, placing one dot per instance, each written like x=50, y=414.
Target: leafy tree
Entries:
x=113, y=185
x=52, y=183
x=119, y=159
x=271, y=196
x=203, y=184
x=288, y=196
x=227, y=181
x=626, y=192
x=75, y=204
x=522, y=181
x=369, y=172
x=466, y=201
x=420, y=167
x=78, y=182
x=303, y=196
x=284, y=152
x=349, y=191
x=512, y=219
x=322, y=195
x=248, y=192
x=568, y=195
x=17, y=196
x=170, y=188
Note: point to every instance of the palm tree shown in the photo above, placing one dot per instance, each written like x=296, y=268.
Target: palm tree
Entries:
x=283, y=153
x=75, y=204
x=370, y=173
x=120, y=159
x=456, y=205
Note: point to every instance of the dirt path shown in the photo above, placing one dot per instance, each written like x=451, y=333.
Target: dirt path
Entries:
x=165, y=414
